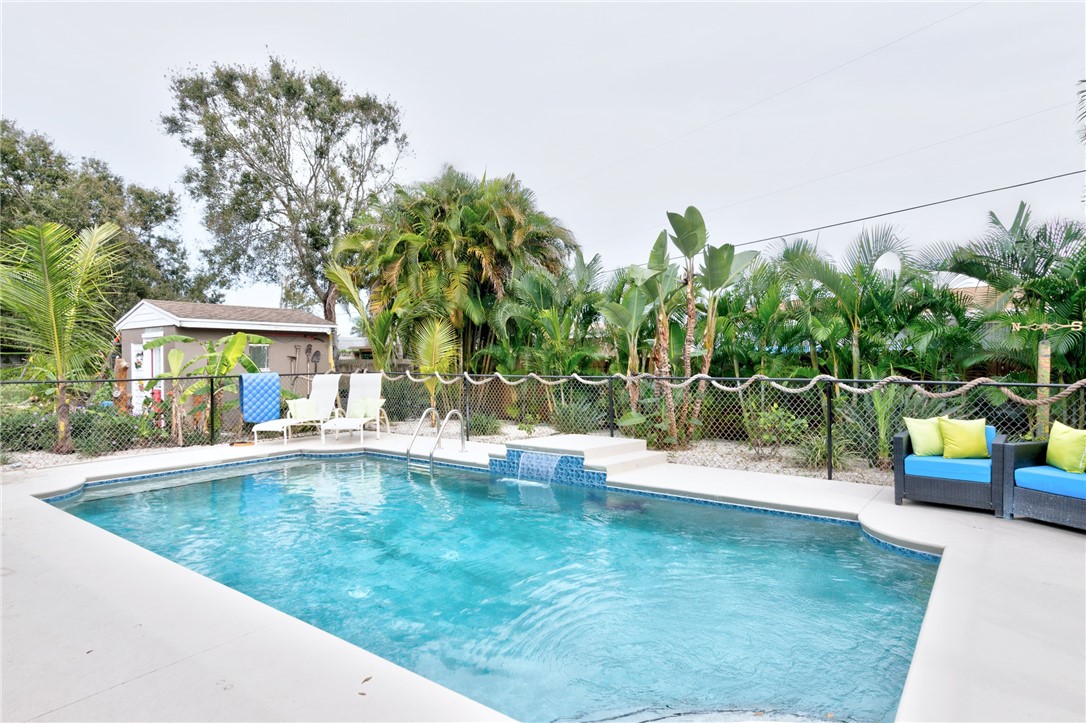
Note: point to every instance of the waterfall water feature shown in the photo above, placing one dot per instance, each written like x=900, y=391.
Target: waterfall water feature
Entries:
x=537, y=466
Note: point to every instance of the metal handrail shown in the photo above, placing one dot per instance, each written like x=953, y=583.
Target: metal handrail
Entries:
x=416, y=434
x=441, y=431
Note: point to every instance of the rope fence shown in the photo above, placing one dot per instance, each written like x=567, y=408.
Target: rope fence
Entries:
x=817, y=426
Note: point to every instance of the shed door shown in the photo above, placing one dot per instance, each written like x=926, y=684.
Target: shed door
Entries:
x=145, y=364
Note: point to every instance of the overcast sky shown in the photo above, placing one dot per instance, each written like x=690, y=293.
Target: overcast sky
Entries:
x=758, y=113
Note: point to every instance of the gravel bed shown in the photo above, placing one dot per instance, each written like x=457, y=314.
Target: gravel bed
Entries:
x=737, y=455
x=706, y=453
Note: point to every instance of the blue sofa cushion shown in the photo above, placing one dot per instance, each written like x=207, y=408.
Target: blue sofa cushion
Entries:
x=1052, y=480
x=963, y=470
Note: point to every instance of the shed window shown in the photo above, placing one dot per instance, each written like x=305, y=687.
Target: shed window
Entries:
x=259, y=354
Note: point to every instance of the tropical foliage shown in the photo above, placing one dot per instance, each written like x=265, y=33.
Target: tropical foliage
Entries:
x=55, y=289
x=40, y=184
x=449, y=248
x=458, y=249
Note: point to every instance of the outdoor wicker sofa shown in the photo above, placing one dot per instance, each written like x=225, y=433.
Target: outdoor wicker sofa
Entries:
x=1036, y=490
x=973, y=483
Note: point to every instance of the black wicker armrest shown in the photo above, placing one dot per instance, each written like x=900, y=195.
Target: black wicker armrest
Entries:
x=999, y=495
x=902, y=448
x=1015, y=455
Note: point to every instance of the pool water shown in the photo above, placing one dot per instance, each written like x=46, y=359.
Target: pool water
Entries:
x=552, y=602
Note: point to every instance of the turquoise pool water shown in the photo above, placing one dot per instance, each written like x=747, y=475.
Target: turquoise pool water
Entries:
x=551, y=602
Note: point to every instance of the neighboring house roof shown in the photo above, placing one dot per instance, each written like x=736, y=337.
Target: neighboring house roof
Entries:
x=188, y=314
x=978, y=294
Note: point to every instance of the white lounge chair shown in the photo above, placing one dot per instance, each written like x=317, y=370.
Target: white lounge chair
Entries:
x=312, y=411
x=364, y=404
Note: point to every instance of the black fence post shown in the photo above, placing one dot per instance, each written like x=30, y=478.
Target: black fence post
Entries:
x=611, y=405
x=212, y=431
x=467, y=408
x=829, y=430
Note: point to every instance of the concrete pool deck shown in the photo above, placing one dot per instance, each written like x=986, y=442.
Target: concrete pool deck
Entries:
x=97, y=628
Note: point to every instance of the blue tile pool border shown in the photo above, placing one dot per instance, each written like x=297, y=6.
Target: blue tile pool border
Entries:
x=242, y=463
x=597, y=481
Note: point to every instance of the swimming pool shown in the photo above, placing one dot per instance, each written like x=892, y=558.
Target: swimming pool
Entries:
x=551, y=602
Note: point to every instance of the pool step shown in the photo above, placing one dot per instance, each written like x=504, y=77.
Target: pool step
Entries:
x=591, y=447
x=623, y=462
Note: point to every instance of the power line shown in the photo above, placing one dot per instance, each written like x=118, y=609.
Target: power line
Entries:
x=886, y=213
x=761, y=101
x=910, y=208
x=857, y=168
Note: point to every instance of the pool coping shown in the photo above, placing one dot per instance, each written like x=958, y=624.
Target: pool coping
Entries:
x=1008, y=604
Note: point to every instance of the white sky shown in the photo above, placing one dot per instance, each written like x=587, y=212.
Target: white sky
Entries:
x=616, y=113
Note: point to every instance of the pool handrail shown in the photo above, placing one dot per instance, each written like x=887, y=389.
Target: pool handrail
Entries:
x=418, y=426
x=441, y=431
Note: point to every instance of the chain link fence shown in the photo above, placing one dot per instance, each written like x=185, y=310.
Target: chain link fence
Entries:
x=806, y=427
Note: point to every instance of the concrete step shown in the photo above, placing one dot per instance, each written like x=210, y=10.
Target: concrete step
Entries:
x=589, y=446
x=623, y=462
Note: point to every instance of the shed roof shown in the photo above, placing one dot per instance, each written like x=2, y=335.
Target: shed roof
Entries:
x=157, y=312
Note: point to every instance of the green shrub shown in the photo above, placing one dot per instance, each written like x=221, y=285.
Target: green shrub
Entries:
x=27, y=430
x=769, y=428
x=722, y=418
x=577, y=417
x=101, y=431
x=484, y=425
x=811, y=451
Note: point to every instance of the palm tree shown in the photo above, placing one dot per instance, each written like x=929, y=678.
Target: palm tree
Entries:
x=1030, y=266
x=434, y=351
x=554, y=314
x=54, y=291
x=453, y=244
x=850, y=286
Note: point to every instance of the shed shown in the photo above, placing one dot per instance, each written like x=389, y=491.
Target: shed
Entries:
x=301, y=342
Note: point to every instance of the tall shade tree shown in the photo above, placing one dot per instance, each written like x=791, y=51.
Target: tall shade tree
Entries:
x=40, y=184
x=284, y=161
x=850, y=285
x=54, y=292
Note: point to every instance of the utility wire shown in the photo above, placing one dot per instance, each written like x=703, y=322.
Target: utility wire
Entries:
x=886, y=213
x=911, y=208
x=761, y=101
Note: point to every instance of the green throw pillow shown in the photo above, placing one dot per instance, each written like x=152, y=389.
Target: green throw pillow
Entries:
x=1067, y=448
x=925, y=435
x=364, y=408
x=964, y=438
x=373, y=406
x=302, y=408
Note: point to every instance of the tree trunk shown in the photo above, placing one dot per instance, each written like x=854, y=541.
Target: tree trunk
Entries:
x=814, y=357
x=662, y=368
x=64, y=424
x=856, y=352
x=331, y=296
x=706, y=363
x=633, y=385
x=688, y=346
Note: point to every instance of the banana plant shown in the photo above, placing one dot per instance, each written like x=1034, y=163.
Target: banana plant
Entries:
x=690, y=238
x=219, y=359
x=661, y=283
x=722, y=268
x=628, y=316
